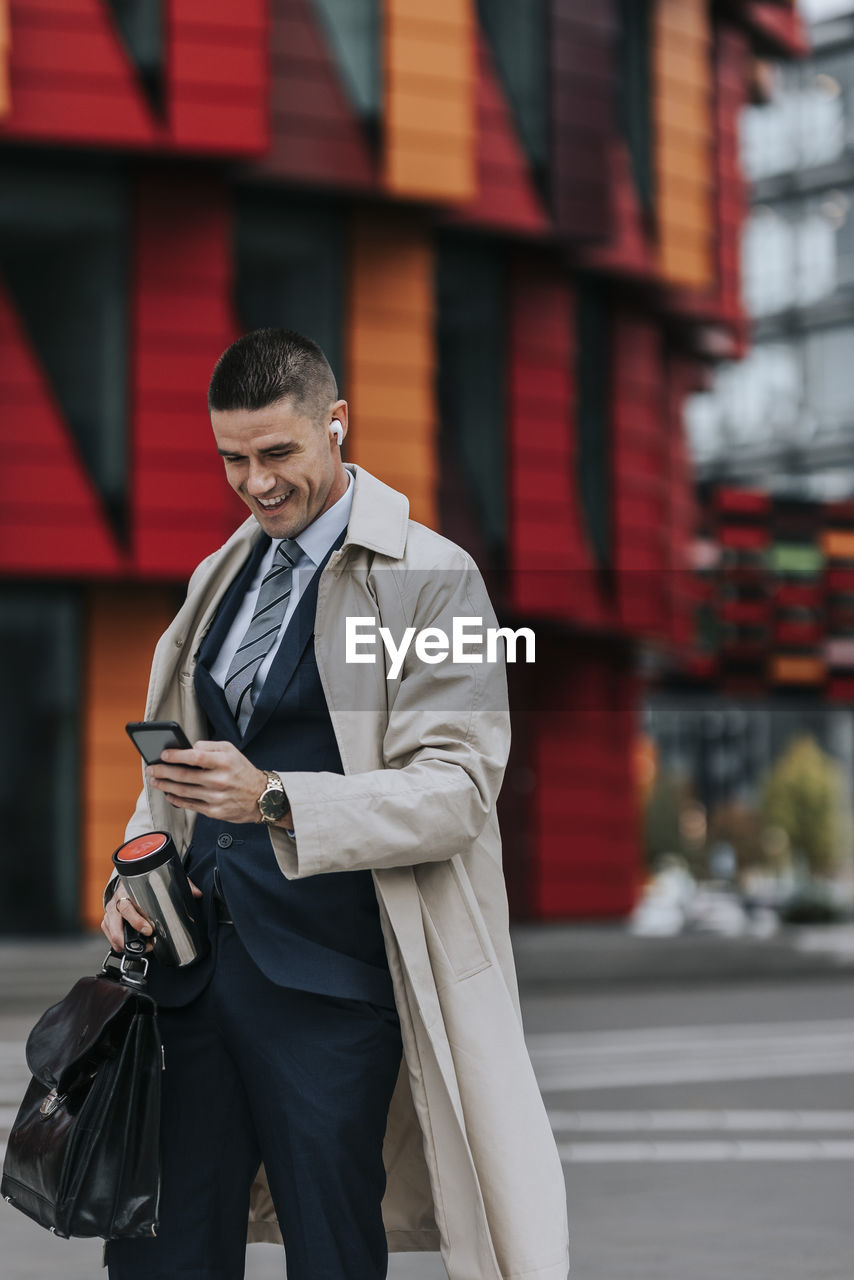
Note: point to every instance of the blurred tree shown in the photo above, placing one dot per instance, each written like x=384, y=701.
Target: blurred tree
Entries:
x=735, y=822
x=803, y=794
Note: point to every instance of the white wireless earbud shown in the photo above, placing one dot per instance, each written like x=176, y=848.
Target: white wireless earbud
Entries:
x=337, y=430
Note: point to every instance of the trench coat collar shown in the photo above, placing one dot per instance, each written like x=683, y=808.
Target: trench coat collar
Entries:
x=379, y=517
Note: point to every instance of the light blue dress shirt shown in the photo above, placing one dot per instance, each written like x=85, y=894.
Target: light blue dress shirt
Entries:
x=314, y=542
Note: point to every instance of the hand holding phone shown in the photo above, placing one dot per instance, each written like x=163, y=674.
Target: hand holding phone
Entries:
x=152, y=737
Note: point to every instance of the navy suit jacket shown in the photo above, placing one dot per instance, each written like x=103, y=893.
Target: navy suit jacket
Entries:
x=319, y=933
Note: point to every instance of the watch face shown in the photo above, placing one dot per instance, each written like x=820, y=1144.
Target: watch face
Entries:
x=273, y=803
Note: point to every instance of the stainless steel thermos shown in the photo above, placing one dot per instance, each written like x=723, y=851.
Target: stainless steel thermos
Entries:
x=153, y=877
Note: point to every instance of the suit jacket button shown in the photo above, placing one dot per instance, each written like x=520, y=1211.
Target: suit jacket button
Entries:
x=224, y=841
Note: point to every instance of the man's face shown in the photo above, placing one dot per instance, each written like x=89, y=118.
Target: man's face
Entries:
x=285, y=465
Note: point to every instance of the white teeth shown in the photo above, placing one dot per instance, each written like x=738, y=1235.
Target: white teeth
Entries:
x=273, y=502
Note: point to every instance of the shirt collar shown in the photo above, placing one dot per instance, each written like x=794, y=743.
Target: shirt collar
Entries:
x=317, y=537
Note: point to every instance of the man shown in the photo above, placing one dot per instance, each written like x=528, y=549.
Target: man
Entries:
x=352, y=1044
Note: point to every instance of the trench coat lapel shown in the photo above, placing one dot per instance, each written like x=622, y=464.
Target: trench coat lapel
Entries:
x=209, y=693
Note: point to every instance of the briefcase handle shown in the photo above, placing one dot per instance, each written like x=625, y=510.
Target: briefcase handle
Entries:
x=131, y=966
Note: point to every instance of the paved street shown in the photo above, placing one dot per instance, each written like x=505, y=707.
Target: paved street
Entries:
x=705, y=1132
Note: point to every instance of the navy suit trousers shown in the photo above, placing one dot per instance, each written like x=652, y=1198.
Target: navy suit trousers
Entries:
x=301, y=1081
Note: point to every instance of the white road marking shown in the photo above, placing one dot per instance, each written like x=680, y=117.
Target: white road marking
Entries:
x=697, y=1121
x=701, y=1152
x=671, y=1055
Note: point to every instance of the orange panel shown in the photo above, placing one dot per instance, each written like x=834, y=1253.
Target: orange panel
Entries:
x=123, y=625
x=430, y=149
x=391, y=358
x=838, y=544
x=797, y=669
x=683, y=120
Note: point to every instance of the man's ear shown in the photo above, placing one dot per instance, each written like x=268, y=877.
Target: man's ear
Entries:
x=339, y=420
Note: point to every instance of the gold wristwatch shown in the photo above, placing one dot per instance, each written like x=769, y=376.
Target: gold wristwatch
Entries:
x=272, y=801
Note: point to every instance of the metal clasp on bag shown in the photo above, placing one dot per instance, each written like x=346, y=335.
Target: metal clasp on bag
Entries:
x=134, y=970
x=51, y=1102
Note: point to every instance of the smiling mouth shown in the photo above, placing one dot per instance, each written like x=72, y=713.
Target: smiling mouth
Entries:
x=271, y=505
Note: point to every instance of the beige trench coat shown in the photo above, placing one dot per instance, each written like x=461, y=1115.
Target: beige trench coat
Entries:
x=472, y=1167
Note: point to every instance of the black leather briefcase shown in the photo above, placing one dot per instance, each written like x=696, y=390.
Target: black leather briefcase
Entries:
x=83, y=1157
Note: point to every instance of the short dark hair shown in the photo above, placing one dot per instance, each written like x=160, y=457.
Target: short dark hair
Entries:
x=268, y=365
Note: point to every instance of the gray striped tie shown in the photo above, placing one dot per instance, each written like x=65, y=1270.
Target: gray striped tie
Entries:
x=262, y=631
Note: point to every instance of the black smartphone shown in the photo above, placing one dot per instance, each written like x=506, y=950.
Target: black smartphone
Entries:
x=152, y=737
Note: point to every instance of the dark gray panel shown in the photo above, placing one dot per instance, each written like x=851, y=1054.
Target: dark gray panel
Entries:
x=64, y=260
x=290, y=269
x=472, y=321
x=39, y=759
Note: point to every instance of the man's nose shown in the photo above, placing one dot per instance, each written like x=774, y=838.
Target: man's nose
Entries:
x=260, y=480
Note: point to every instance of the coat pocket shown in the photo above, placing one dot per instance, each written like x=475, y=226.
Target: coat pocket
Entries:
x=454, y=933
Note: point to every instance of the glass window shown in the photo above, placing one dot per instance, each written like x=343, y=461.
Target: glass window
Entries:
x=819, y=10
x=809, y=122
x=833, y=72
x=768, y=262
x=816, y=257
x=702, y=424
x=797, y=252
x=830, y=386
x=756, y=400
x=472, y=360
x=837, y=207
x=39, y=760
x=518, y=36
x=63, y=258
x=290, y=269
x=353, y=30
x=822, y=118
x=768, y=133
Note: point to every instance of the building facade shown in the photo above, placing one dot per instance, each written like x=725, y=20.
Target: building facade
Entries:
x=783, y=418
x=513, y=228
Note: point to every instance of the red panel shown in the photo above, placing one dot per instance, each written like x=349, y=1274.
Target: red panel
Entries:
x=640, y=443
x=741, y=501
x=585, y=857
x=841, y=689
x=779, y=27
x=583, y=114
x=51, y=520
x=249, y=15
x=506, y=194
x=218, y=78
x=316, y=135
x=553, y=571
x=629, y=249
x=732, y=70
x=799, y=635
x=183, y=321
x=744, y=537
x=838, y=513
x=745, y=611
x=683, y=377
x=72, y=78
